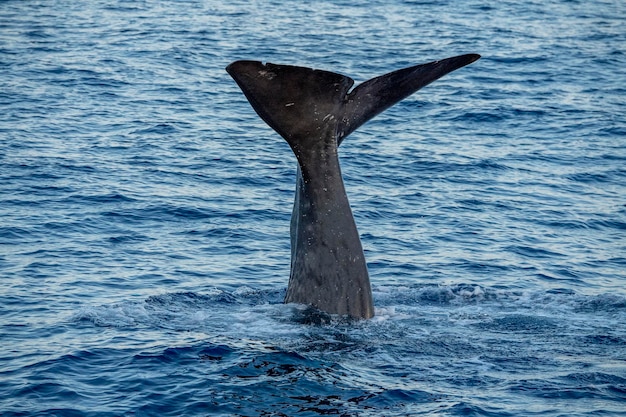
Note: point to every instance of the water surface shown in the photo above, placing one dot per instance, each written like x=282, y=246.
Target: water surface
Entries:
x=144, y=212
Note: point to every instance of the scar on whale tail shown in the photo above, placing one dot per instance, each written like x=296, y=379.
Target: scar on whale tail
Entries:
x=314, y=111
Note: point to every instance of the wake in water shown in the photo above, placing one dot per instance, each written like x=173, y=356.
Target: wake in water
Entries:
x=430, y=348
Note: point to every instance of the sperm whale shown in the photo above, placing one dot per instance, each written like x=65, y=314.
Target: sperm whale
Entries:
x=314, y=111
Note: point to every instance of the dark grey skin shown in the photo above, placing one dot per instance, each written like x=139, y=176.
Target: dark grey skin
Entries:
x=314, y=111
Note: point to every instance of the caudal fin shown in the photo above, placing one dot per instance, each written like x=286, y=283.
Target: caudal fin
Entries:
x=294, y=101
x=298, y=101
x=378, y=94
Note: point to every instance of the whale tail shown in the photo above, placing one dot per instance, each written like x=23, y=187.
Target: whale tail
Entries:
x=314, y=111
x=297, y=102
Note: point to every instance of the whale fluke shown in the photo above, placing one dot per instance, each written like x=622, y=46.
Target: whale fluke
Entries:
x=314, y=110
x=378, y=94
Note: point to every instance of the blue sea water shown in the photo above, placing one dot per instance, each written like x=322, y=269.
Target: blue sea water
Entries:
x=144, y=212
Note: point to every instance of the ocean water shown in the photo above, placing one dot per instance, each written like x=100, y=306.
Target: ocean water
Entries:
x=144, y=212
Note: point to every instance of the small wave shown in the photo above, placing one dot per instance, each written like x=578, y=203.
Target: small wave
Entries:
x=159, y=129
x=181, y=310
x=159, y=212
x=10, y=234
x=129, y=238
x=611, y=303
x=436, y=294
x=99, y=198
x=572, y=387
x=187, y=300
x=533, y=252
x=604, y=340
x=519, y=323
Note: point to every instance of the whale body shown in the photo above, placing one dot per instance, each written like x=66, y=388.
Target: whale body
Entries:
x=314, y=110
